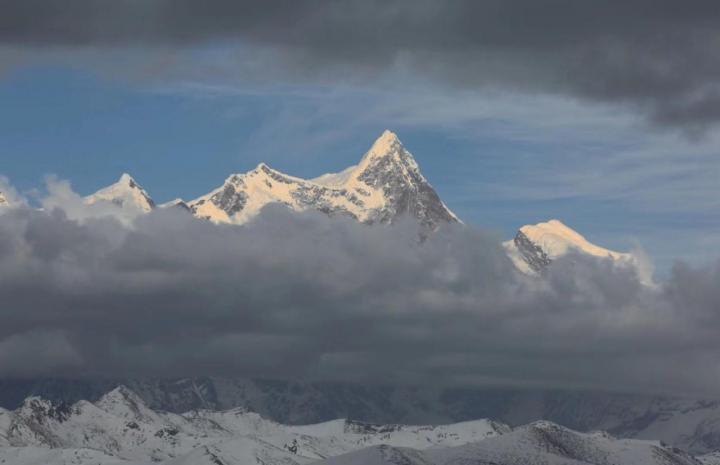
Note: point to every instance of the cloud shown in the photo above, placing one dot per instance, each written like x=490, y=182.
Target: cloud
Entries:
x=655, y=56
x=304, y=296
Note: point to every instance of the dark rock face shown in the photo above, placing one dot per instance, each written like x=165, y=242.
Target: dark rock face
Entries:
x=231, y=199
x=40, y=410
x=359, y=427
x=533, y=255
x=407, y=192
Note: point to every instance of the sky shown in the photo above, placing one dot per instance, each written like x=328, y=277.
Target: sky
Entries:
x=603, y=117
x=601, y=114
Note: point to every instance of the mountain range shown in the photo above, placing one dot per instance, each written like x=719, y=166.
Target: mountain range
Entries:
x=120, y=428
x=385, y=185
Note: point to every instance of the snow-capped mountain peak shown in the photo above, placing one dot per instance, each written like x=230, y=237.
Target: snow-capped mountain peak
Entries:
x=534, y=247
x=387, y=183
x=121, y=395
x=126, y=192
x=124, y=403
x=556, y=239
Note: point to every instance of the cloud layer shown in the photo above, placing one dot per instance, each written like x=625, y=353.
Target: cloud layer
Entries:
x=303, y=296
x=658, y=57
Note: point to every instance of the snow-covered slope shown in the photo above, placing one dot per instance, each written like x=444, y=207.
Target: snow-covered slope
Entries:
x=124, y=193
x=385, y=184
x=121, y=427
x=45, y=456
x=712, y=458
x=688, y=423
x=534, y=247
x=537, y=443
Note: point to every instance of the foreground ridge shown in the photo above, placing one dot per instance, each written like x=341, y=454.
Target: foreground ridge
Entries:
x=120, y=429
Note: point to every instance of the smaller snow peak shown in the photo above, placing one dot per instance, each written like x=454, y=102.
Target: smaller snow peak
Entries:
x=3, y=200
x=121, y=395
x=176, y=203
x=536, y=246
x=123, y=402
x=125, y=192
x=122, y=392
x=555, y=238
x=36, y=403
x=554, y=226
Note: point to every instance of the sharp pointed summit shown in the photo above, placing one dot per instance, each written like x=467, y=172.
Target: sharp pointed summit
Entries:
x=126, y=192
x=388, y=142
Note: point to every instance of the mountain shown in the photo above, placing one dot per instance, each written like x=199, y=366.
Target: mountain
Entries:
x=534, y=247
x=126, y=192
x=386, y=184
x=538, y=443
x=3, y=200
x=120, y=429
x=691, y=424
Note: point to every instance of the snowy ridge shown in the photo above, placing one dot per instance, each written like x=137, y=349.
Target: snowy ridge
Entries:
x=120, y=428
x=537, y=443
x=556, y=239
x=124, y=193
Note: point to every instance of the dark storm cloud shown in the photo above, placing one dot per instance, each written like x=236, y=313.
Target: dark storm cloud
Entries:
x=658, y=56
x=305, y=296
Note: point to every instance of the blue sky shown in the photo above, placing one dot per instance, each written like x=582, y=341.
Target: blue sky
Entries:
x=498, y=160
